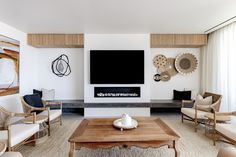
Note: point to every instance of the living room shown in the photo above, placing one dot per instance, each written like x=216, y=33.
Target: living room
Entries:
x=118, y=78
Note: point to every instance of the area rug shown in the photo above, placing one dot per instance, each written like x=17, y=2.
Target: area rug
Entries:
x=191, y=144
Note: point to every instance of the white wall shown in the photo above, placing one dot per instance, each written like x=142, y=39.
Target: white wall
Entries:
x=67, y=87
x=116, y=42
x=164, y=90
x=35, y=69
x=28, y=75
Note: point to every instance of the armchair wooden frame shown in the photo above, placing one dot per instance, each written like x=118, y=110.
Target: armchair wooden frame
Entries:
x=214, y=107
x=28, y=109
x=226, y=139
x=7, y=126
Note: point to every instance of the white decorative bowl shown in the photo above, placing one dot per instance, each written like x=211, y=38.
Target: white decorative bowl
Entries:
x=118, y=124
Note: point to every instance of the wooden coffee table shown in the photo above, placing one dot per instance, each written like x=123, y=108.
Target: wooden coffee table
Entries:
x=100, y=133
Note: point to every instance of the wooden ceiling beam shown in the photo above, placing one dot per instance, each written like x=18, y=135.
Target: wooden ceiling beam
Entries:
x=56, y=40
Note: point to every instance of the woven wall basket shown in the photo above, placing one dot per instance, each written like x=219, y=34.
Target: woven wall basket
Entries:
x=186, y=63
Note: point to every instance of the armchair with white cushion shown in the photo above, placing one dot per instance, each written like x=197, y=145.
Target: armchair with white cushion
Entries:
x=43, y=108
x=197, y=113
x=16, y=134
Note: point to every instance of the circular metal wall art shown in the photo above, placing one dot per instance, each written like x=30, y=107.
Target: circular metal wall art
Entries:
x=186, y=63
x=60, y=66
x=159, y=62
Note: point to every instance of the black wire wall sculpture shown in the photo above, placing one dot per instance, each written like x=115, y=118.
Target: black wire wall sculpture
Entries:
x=60, y=66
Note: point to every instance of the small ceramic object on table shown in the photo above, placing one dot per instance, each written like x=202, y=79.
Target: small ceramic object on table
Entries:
x=125, y=122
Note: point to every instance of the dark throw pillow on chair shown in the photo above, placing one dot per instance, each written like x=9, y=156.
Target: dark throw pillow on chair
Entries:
x=34, y=100
x=181, y=95
x=35, y=91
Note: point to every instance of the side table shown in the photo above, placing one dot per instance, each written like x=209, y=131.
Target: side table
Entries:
x=41, y=135
x=3, y=147
x=209, y=125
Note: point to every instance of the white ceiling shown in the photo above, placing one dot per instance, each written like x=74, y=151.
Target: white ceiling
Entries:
x=115, y=16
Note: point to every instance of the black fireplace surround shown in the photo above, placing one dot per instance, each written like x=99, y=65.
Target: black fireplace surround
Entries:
x=125, y=92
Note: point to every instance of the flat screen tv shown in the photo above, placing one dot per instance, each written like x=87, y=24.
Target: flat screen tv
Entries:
x=117, y=66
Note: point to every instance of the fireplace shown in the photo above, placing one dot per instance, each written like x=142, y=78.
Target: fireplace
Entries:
x=108, y=92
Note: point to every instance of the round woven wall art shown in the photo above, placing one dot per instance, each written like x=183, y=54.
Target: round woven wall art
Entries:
x=159, y=62
x=165, y=76
x=186, y=63
x=170, y=67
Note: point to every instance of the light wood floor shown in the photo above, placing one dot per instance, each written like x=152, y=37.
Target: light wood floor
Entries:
x=191, y=144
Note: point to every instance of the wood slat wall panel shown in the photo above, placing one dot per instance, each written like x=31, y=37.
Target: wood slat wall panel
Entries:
x=56, y=40
x=178, y=40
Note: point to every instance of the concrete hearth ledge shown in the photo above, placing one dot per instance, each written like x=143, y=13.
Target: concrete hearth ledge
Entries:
x=151, y=104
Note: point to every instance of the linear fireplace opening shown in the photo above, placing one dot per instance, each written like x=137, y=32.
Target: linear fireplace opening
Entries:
x=125, y=92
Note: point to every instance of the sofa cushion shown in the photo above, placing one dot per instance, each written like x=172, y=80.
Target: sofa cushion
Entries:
x=228, y=130
x=19, y=133
x=191, y=113
x=53, y=114
x=33, y=100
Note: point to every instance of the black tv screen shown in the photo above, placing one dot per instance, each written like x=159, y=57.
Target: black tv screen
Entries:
x=117, y=66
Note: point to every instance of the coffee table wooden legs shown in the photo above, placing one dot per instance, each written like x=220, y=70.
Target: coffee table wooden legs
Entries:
x=72, y=150
x=74, y=147
x=175, y=146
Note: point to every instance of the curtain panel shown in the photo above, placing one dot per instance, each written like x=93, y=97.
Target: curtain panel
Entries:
x=218, y=66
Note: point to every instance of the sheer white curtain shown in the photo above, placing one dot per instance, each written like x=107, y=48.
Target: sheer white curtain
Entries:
x=219, y=66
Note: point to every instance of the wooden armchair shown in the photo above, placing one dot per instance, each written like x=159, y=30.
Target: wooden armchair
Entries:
x=225, y=130
x=54, y=115
x=17, y=134
x=197, y=114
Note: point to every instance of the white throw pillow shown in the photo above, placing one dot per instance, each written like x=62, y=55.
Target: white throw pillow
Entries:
x=204, y=102
x=48, y=94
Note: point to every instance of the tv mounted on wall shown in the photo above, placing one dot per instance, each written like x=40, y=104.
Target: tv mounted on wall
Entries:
x=117, y=66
